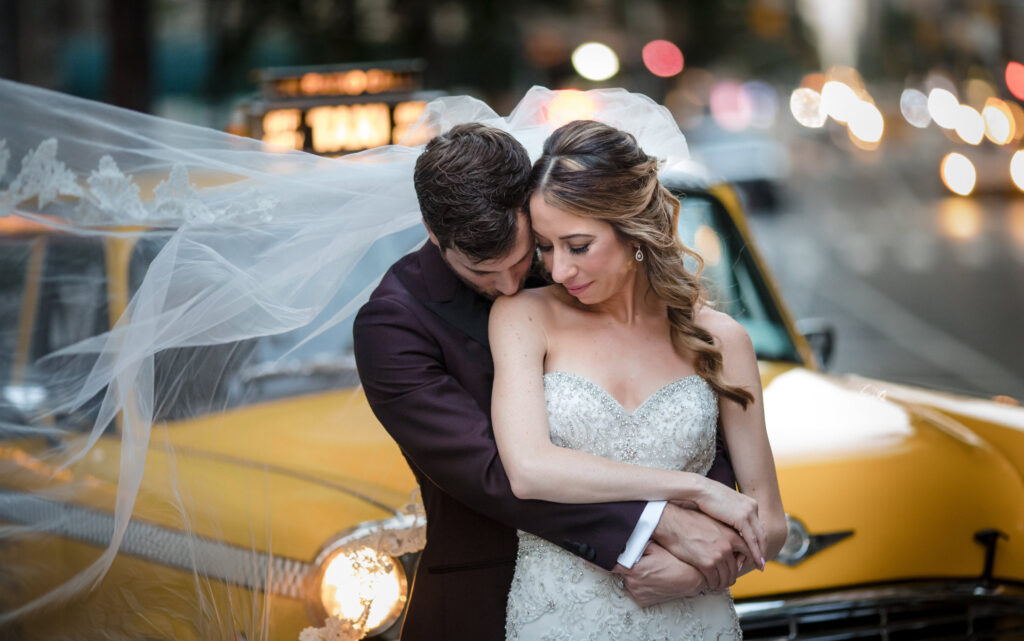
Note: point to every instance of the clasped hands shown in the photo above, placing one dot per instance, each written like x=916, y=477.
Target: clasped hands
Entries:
x=689, y=552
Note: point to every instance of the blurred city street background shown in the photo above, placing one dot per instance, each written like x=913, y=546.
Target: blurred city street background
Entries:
x=876, y=142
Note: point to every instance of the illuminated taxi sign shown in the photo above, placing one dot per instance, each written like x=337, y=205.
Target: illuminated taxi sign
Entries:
x=353, y=82
x=338, y=109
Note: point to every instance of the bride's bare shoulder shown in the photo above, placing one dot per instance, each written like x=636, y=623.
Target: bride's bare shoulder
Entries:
x=528, y=308
x=726, y=330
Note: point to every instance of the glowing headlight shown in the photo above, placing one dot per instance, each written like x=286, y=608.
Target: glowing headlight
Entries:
x=363, y=586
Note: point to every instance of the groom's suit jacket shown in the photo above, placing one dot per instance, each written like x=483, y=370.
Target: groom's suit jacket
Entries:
x=423, y=357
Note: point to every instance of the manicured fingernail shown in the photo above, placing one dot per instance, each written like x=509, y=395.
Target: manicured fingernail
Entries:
x=762, y=564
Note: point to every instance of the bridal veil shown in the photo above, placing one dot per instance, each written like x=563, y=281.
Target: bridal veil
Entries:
x=246, y=261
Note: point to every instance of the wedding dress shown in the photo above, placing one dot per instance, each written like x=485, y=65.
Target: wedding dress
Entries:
x=556, y=595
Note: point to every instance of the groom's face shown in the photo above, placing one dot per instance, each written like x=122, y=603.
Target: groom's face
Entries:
x=502, y=275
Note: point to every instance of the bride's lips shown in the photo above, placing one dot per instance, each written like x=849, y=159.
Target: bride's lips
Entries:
x=576, y=291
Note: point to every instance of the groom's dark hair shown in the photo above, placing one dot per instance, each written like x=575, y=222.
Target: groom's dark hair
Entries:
x=471, y=185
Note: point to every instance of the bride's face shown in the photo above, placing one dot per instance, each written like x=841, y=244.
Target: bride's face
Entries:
x=584, y=255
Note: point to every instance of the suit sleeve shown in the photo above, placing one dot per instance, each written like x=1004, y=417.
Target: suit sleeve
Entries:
x=443, y=432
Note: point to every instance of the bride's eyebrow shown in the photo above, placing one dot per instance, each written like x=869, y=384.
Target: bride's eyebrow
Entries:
x=572, y=236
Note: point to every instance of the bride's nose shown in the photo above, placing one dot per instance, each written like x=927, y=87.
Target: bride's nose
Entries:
x=562, y=267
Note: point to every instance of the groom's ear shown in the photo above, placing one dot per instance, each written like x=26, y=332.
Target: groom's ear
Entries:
x=430, y=233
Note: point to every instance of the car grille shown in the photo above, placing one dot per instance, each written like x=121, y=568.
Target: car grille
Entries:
x=911, y=613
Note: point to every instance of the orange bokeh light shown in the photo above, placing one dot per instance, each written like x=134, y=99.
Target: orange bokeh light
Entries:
x=569, y=105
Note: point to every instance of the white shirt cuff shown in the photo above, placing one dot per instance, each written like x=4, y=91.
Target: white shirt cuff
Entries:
x=642, y=533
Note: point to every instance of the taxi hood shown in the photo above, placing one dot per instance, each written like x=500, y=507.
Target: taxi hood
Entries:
x=912, y=484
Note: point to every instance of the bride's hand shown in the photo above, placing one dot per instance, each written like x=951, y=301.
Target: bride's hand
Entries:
x=738, y=511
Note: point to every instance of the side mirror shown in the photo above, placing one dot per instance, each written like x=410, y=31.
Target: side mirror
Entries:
x=821, y=336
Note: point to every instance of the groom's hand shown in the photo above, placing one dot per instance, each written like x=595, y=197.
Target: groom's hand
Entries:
x=659, y=577
x=693, y=537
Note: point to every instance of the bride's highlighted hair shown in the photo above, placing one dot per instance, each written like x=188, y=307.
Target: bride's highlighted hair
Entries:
x=596, y=171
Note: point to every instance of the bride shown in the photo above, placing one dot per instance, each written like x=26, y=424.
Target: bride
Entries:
x=610, y=381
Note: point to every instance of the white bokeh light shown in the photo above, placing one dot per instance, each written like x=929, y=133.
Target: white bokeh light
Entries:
x=595, y=61
x=970, y=126
x=839, y=100
x=958, y=173
x=999, y=121
x=805, y=105
x=914, y=107
x=1017, y=169
x=866, y=122
x=943, y=107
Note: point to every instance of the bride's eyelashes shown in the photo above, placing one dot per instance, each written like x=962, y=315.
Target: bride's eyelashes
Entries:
x=572, y=250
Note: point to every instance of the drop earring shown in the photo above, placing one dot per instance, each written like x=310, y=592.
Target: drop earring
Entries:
x=639, y=256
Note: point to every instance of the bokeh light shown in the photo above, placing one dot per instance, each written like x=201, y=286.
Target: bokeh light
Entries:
x=960, y=218
x=970, y=126
x=662, y=58
x=815, y=81
x=943, y=107
x=979, y=90
x=731, y=107
x=595, y=61
x=958, y=173
x=1017, y=169
x=1015, y=79
x=914, y=107
x=999, y=124
x=1018, y=120
x=569, y=105
x=708, y=245
x=764, y=101
x=866, y=122
x=805, y=105
x=839, y=100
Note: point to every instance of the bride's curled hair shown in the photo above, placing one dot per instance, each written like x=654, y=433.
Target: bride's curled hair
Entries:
x=593, y=170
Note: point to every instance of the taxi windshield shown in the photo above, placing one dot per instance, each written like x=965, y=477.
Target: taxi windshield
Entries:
x=735, y=285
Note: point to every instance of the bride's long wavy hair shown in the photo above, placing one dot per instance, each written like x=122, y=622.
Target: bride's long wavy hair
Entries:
x=596, y=171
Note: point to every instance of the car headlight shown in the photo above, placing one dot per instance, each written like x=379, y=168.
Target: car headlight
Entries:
x=364, y=586
x=797, y=545
x=359, y=576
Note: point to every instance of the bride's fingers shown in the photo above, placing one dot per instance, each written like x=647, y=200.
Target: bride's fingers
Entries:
x=753, y=543
x=762, y=535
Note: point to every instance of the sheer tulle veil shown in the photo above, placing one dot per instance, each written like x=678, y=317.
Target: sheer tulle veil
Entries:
x=233, y=246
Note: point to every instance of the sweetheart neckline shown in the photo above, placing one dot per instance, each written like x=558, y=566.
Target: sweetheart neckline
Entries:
x=608, y=394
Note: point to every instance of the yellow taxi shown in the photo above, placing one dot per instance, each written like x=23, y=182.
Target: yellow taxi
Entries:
x=289, y=502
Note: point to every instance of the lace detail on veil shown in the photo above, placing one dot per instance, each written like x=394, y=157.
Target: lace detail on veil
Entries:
x=42, y=176
x=110, y=192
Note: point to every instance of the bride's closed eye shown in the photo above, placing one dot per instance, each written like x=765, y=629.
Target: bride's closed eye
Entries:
x=572, y=250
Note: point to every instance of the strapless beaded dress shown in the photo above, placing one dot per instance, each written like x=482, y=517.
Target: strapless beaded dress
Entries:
x=556, y=595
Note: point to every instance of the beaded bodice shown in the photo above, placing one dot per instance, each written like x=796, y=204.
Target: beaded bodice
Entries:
x=673, y=428
x=557, y=596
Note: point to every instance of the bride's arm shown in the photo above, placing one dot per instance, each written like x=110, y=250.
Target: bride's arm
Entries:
x=744, y=429
x=538, y=469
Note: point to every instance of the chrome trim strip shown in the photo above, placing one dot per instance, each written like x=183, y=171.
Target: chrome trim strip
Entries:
x=189, y=552
x=961, y=590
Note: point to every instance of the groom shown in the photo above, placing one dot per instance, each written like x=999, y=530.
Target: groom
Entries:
x=423, y=357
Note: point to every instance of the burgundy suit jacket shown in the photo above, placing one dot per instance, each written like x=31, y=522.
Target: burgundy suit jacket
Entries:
x=424, y=361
